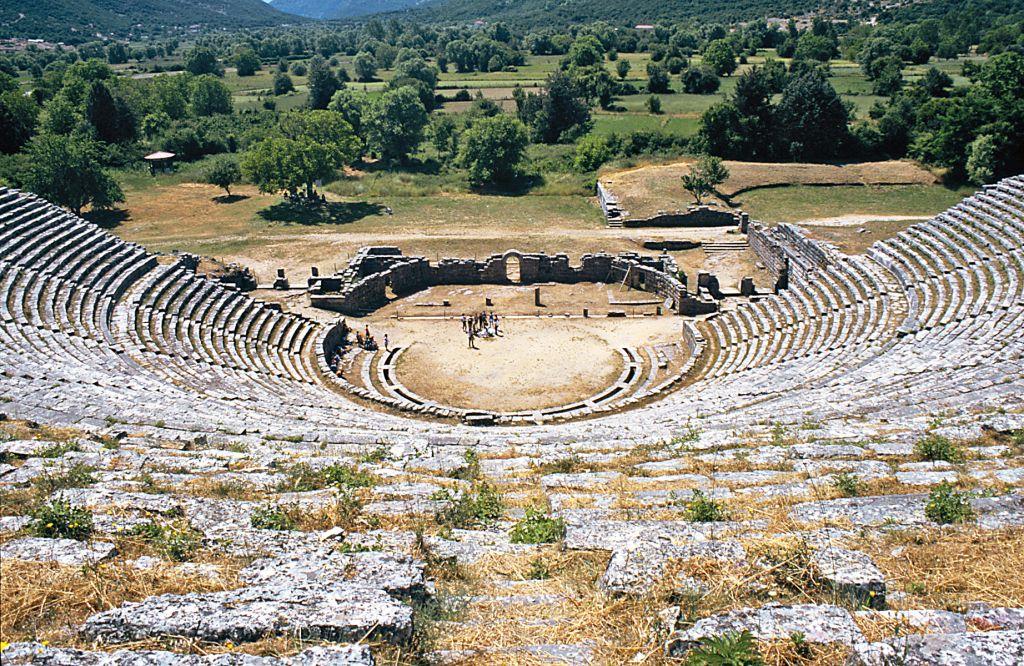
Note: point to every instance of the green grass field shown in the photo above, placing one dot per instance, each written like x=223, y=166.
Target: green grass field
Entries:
x=802, y=203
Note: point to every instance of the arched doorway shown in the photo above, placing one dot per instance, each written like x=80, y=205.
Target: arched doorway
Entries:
x=513, y=269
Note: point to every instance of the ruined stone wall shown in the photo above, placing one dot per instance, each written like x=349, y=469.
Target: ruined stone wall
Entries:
x=695, y=216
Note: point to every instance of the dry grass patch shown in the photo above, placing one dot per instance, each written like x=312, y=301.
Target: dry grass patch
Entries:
x=949, y=568
x=48, y=602
x=646, y=189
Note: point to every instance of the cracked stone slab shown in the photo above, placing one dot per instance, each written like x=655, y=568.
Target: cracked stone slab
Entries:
x=60, y=551
x=985, y=617
x=341, y=612
x=580, y=481
x=852, y=574
x=927, y=621
x=619, y=534
x=817, y=623
x=637, y=570
x=993, y=648
x=393, y=572
x=37, y=654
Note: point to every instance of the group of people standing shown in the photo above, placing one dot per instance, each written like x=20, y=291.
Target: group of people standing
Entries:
x=368, y=342
x=482, y=325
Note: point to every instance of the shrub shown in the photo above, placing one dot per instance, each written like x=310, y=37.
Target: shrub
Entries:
x=936, y=447
x=58, y=449
x=654, y=104
x=471, y=470
x=59, y=519
x=271, y=517
x=347, y=476
x=947, y=505
x=731, y=649
x=847, y=484
x=78, y=475
x=537, y=527
x=481, y=506
x=703, y=509
x=175, y=542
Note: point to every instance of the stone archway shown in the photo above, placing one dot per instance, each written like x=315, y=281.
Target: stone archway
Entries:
x=513, y=268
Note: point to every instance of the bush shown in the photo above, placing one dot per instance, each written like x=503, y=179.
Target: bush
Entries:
x=175, y=542
x=78, y=475
x=537, y=527
x=731, y=649
x=936, y=447
x=847, y=484
x=654, y=104
x=60, y=520
x=271, y=517
x=591, y=152
x=470, y=471
x=347, y=476
x=947, y=505
x=703, y=509
x=301, y=477
x=481, y=506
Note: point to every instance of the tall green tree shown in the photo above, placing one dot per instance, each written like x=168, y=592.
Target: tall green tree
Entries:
x=223, y=172
x=394, y=122
x=202, y=60
x=707, y=173
x=812, y=119
x=67, y=171
x=110, y=115
x=209, y=96
x=365, y=66
x=560, y=112
x=19, y=116
x=492, y=149
x=720, y=57
x=322, y=83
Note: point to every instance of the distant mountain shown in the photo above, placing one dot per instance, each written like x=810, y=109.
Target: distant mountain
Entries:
x=76, y=21
x=341, y=9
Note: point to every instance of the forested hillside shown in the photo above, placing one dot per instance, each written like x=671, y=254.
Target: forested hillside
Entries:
x=546, y=12
x=77, y=21
x=340, y=9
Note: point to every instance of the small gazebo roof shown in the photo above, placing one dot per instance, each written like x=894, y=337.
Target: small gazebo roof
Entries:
x=159, y=155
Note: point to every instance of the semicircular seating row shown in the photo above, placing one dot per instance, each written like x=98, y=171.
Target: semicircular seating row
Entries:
x=96, y=329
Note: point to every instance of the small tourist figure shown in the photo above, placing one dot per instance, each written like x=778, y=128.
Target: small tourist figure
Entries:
x=386, y=342
x=497, y=330
x=472, y=339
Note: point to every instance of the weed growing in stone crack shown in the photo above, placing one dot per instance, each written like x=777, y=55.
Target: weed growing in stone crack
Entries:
x=59, y=520
x=778, y=434
x=936, y=447
x=346, y=476
x=376, y=455
x=539, y=570
x=271, y=517
x=537, y=527
x=58, y=449
x=78, y=475
x=470, y=471
x=480, y=506
x=846, y=484
x=175, y=542
x=947, y=505
x=566, y=465
x=731, y=649
x=302, y=477
x=702, y=509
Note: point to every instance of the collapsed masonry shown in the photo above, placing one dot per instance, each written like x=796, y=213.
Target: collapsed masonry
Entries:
x=363, y=286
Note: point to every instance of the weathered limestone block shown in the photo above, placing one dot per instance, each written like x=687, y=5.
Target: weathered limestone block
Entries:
x=925, y=621
x=638, y=570
x=852, y=574
x=338, y=612
x=393, y=572
x=993, y=648
x=61, y=551
x=817, y=623
x=579, y=481
x=22, y=654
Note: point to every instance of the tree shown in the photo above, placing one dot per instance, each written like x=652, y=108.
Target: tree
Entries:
x=870, y=52
x=654, y=104
x=322, y=83
x=981, y=160
x=417, y=68
x=444, y=135
x=815, y=47
x=110, y=116
x=283, y=84
x=66, y=170
x=657, y=79
x=223, y=172
x=394, y=123
x=365, y=66
x=888, y=75
x=586, y=51
x=812, y=118
x=699, y=81
x=247, y=63
x=591, y=152
x=559, y=113
x=316, y=144
x=720, y=58
x=935, y=82
x=705, y=175
x=209, y=96
x=18, y=117
x=351, y=104
x=622, y=68
x=492, y=149
x=202, y=60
